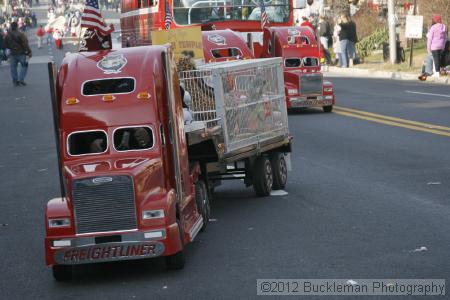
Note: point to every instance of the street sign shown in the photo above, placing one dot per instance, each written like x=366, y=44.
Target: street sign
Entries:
x=414, y=27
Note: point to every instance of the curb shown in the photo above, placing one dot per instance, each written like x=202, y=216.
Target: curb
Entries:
x=359, y=72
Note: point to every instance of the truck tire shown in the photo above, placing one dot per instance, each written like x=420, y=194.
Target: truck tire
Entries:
x=62, y=273
x=279, y=170
x=262, y=176
x=328, y=108
x=202, y=201
x=176, y=261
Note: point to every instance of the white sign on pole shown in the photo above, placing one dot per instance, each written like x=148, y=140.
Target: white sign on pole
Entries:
x=414, y=27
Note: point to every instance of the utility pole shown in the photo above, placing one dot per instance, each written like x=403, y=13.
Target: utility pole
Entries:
x=392, y=35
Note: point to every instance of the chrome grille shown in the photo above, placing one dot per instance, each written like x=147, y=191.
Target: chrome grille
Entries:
x=311, y=84
x=104, y=204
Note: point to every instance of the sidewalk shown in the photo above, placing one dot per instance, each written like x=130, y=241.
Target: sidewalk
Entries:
x=370, y=73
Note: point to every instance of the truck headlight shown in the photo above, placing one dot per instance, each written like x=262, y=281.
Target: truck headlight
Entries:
x=328, y=89
x=292, y=91
x=153, y=214
x=58, y=223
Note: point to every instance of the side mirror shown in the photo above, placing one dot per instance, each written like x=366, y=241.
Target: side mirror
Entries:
x=299, y=4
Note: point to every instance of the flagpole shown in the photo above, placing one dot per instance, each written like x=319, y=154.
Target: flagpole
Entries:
x=79, y=39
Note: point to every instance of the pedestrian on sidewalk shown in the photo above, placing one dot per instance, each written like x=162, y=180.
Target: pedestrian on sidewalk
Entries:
x=40, y=35
x=427, y=68
x=347, y=38
x=17, y=42
x=337, y=43
x=326, y=37
x=2, y=47
x=58, y=39
x=436, y=38
x=49, y=31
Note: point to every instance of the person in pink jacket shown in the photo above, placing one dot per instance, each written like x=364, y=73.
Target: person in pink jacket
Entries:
x=436, y=38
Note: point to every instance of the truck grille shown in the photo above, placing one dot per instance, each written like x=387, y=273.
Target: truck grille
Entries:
x=311, y=84
x=104, y=204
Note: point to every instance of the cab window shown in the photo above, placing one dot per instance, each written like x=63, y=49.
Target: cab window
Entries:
x=87, y=142
x=292, y=62
x=133, y=138
x=108, y=86
x=227, y=53
x=310, y=62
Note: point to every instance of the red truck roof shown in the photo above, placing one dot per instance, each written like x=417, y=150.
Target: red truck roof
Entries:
x=94, y=88
x=289, y=40
x=222, y=45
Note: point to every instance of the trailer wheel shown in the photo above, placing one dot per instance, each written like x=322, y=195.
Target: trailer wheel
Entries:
x=176, y=261
x=202, y=200
x=328, y=108
x=262, y=176
x=62, y=273
x=279, y=170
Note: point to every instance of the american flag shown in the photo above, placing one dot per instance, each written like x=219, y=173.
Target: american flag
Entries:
x=92, y=18
x=264, y=18
x=168, y=17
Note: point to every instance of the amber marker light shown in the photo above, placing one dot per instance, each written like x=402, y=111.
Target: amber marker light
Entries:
x=108, y=98
x=72, y=101
x=143, y=96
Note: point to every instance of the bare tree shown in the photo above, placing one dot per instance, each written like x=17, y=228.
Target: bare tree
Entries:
x=427, y=8
x=340, y=7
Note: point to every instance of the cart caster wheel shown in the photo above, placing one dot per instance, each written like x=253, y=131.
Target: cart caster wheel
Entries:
x=262, y=176
x=202, y=201
x=279, y=170
x=328, y=108
x=62, y=273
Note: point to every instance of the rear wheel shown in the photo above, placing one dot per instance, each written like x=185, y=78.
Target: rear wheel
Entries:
x=262, y=176
x=279, y=170
x=62, y=273
x=202, y=201
x=328, y=108
x=176, y=261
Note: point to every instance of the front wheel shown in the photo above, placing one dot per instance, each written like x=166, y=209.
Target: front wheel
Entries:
x=328, y=108
x=62, y=273
x=262, y=176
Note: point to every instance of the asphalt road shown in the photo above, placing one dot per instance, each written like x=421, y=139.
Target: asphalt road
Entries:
x=362, y=196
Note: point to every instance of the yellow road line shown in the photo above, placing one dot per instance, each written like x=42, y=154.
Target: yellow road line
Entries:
x=386, y=122
x=419, y=124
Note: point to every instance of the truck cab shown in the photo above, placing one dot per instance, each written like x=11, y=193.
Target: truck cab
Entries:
x=120, y=151
x=304, y=83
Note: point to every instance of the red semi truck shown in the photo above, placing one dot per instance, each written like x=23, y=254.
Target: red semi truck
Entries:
x=297, y=46
x=303, y=79
x=135, y=180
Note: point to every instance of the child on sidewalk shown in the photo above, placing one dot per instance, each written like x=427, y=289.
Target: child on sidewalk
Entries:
x=40, y=35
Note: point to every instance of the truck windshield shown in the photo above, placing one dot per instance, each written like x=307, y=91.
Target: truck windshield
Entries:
x=202, y=11
x=87, y=142
x=133, y=138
